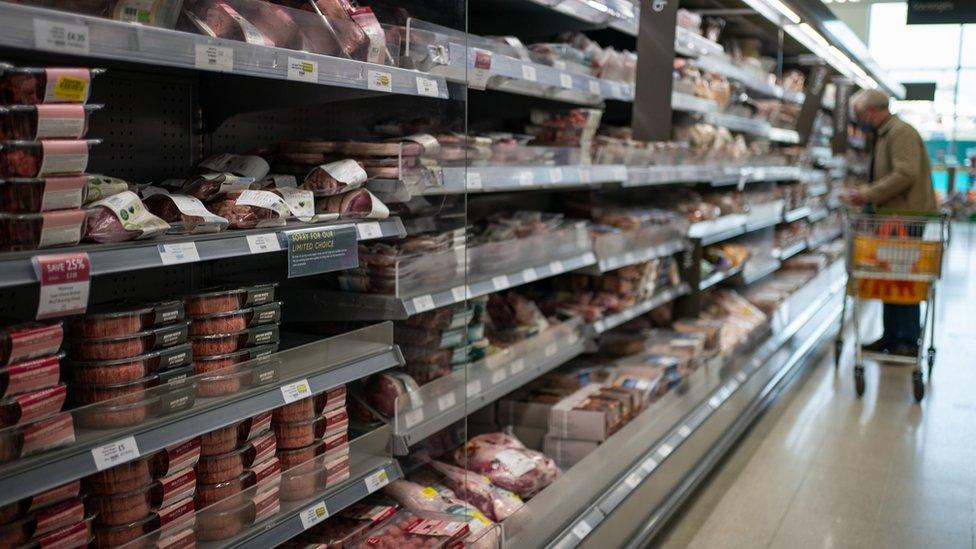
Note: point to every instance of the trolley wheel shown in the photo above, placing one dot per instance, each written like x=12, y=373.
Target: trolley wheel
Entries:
x=931, y=360
x=918, y=385
x=838, y=350
x=859, y=380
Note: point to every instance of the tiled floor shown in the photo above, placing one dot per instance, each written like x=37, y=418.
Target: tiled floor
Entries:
x=825, y=469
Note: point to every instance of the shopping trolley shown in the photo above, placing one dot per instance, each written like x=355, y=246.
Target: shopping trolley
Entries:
x=897, y=258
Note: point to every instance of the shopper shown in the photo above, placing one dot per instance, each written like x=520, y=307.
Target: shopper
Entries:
x=900, y=179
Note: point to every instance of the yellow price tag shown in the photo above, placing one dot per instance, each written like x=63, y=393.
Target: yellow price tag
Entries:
x=429, y=492
x=71, y=88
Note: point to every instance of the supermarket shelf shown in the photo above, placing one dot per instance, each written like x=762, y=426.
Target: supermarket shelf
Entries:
x=718, y=277
x=16, y=268
x=797, y=214
x=316, y=305
x=625, y=489
x=754, y=82
x=752, y=274
x=756, y=174
x=662, y=175
x=752, y=126
x=449, y=399
x=369, y=470
x=815, y=242
x=690, y=103
x=731, y=226
x=133, y=43
x=660, y=298
x=762, y=223
x=348, y=357
x=692, y=44
x=783, y=254
x=663, y=249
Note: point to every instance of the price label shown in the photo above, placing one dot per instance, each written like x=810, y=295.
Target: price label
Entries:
x=595, y=87
x=379, y=81
x=649, y=465
x=556, y=267
x=115, y=453
x=446, y=401
x=214, y=58
x=565, y=80
x=500, y=282
x=525, y=179
x=61, y=37
x=633, y=480
x=473, y=179
x=369, y=231
x=582, y=529
x=684, y=431
x=376, y=481
x=473, y=389
x=715, y=401
x=620, y=173
x=614, y=89
x=498, y=376
x=665, y=450
x=459, y=293
x=551, y=349
x=413, y=417
x=517, y=366
x=65, y=281
x=180, y=252
x=555, y=175
x=585, y=176
x=263, y=243
x=303, y=70
x=629, y=258
x=528, y=73
x=296, y=390
x=314, y=515
x=423, y=303
x=528, y=275
x=427, y=87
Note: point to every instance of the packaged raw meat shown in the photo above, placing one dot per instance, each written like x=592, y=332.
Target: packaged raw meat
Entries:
x=219, y=344
x=99, y=187
x=173, y=459
x=121, y=508
x=176, y=516
x=298, y=456
x=36, y=437
x=415, y=529
x=218, y=468
x=25, y=195
x=30, y=375
x=335, y=178
x=309, y=408
x=33, y=86
x=129, y=369
x=217, y=19
x=251, y=209
x=41, y=230
x=20, y=509
x=42, y=521
x=155, y=13
x=207, y=364
x=357, y=204
x=126, y=391
x=233, y=321
x=495, y=502
x=45, y=157
x=129, y=345
x=30, y=122
x=120, y=478
x=383, y=390
x=27, y=407
x=208, y=186
x=222, y=300
x=242, y=165
x=341, y=529
x=299, y=434
x=266, y=476
x=274, y=22
x=121, y=217
x=118, y=319
x=507, y=463
x=226, y=381
x=352, y=40
x=219, y=441
x=185, y=214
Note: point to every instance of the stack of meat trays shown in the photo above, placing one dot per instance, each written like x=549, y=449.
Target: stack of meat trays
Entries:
x=233, y=459
x=31, y=394
x=44, y=155
x=53, y=518
x=380, y=159
x=436, y=342
x=229, y=326
x=155, y=492
x=313, y=443
x=418, y=263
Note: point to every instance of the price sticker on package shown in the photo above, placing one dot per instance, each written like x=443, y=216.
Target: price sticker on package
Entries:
x=314, y=515
x=179, y=252
x=427, y=87
x=376, y=481
x=263, y=243
x=445, y=402
x=303, y=70
x=61, y=37
x=115, y=453
x=65, y=283
x=296, y=391
x=528, y=73
x=379, y=81
x=214, y=58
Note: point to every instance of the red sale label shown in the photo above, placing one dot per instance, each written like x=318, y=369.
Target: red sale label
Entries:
x=65, y=281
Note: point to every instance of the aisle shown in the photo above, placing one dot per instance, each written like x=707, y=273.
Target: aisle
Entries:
x=824, y=469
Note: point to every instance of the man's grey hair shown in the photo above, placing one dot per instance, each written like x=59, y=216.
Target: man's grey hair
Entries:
x=869, y=99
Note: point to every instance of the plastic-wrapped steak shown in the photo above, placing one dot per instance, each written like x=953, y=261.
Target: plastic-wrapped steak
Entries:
x=122, y=217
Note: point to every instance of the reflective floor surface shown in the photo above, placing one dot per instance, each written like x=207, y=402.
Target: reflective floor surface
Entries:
x=822, y=468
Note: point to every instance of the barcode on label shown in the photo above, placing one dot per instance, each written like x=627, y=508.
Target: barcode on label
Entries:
x=314, y=515
x=181, y=252
x=263, y=243
x=528, y=73
x=368, y=231
x=296, y=391
x=427, y=87
x=565, y=80
x=446, y=401
x=302, y=70
x=423, y=303
x=473, y=180
x=115, y=453
x=379, y=81
x=214, y=58
x=376, y=481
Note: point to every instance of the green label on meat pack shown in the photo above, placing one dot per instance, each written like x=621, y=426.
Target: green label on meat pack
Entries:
x=317, y=251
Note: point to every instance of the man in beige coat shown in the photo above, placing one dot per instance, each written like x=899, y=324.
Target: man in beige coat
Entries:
x=901, y=179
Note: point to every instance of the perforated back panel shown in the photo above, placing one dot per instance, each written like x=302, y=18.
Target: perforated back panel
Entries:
x=146, y=125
